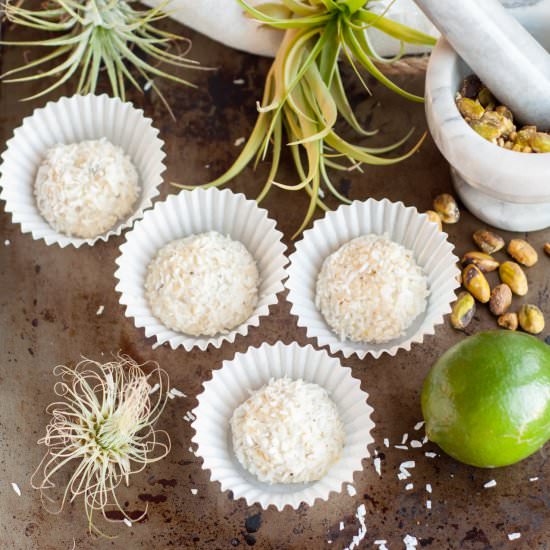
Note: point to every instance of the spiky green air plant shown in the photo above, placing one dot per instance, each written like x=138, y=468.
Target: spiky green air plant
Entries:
x=102, y=428
x=304, y=95
x=91, y=35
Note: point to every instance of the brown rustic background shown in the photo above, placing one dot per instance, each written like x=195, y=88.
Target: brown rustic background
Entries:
x=48, y=316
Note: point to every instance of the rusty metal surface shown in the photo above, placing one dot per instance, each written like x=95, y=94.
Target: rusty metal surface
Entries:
x=48, y=316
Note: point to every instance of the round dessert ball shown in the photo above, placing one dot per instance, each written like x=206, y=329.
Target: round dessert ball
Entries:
x=288, y=431
x=202, y=285
x=371, y=290
x=84, y=189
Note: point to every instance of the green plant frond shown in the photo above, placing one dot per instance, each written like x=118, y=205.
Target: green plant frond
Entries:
x=274, y=10
x=353, y=41
x=396, y=30
x=296, y=23
x=277, y=145
x=344, y=108
x=300, y=8
x=327, y=181
x=36, y=62
x=328, y=58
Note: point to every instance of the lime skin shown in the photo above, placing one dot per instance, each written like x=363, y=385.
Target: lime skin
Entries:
x=486, y=401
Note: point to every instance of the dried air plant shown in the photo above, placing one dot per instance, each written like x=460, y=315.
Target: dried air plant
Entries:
x=102, y=427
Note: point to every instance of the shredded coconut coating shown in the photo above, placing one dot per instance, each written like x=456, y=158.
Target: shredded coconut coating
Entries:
x=203, y=285
x=371, y=290
x=289, y=431
x=84, y=189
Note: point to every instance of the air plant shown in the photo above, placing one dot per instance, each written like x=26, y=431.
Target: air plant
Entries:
x=304, y=95
x=103, y=427
x=91, y=35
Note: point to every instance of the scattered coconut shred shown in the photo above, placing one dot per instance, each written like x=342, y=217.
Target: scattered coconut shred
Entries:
x=83, y=189
x=202, y=285
x=371, y=290
x=288, y=431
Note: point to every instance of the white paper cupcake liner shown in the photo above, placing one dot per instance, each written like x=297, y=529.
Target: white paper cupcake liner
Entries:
x=231, y=385
x=70, y=120
x=192, y=212
x=404, y=225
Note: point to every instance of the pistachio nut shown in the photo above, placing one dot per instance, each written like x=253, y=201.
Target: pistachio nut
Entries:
x=522, y=252
x=470, y=108
x=445, y=205
x=511, y=274
x=485, y=97
x=434, y=217
x=463, y=311
x=475, y=282
x=547, y=248
x=505, y=112
x=524, y=136
x=531, y=319
x=485, y=262
x=508, y=321
x=503, y=123
x=540, y=142
x=487, y=241
x=501, y=299
x=486, y=130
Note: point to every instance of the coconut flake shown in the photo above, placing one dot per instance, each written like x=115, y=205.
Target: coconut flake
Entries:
x=154, y=389
x=16, y=489
x=514, y=536
x=194, y=491
x=127, y=522
x=177, y=393
x=341, y=526
x=409, y=487
x=378, y=466
x=419, y=425
x=490, y=484
x=381, y=544
x=239, y=141
x=351, y=490
x=360, y=515
x=533, y=478
x=429, y=454
x=415, y=444
x=386, y=442
x=238, y=81
x=7, y=242
x=404, y=439
x=402, y=447
x=100, y=310
x=428, y=488
x=410, y=542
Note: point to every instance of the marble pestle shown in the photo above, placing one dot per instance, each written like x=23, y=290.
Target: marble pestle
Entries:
x=513, y=65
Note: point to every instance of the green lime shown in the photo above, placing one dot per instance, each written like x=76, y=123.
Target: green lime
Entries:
x=486, y=401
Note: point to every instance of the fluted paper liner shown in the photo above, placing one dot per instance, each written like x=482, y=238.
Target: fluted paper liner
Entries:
x=193, y=212
x=70, y=120
x=231, y=385
x=404, y=225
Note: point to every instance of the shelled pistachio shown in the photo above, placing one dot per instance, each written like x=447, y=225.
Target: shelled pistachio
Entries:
x=508, y=321
x=522, y=252
x=488, y=241
x=485, y=262
x=511, y=274
x=475, y=282
x=463, y=311
x=434, y=217
x=445, y=205
x=547, y=248
x=501, y=299
x=531, y=319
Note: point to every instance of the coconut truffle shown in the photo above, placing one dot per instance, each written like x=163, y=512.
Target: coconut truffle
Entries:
x=202, y=285
x=83, y=189
x=288, y=431
x=371, y=290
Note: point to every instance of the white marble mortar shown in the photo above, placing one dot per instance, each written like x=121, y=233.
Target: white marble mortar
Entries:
x=505, y=189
